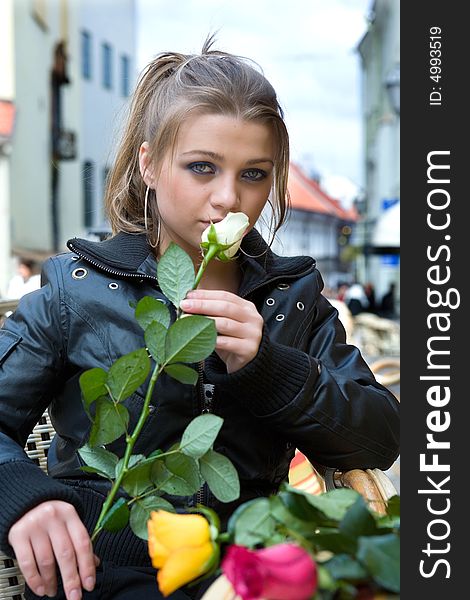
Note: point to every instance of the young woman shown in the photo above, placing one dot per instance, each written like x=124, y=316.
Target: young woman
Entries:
x=205, y=137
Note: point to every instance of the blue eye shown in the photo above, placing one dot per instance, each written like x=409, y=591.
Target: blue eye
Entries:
x=254, y=174
x=201, y=168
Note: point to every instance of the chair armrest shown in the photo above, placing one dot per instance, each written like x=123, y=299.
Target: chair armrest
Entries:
x=373, y=485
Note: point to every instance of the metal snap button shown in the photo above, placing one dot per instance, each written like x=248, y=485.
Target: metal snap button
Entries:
x=280, y=317
x=113, y=286
x=283, y=286
x=79, y=273
x=300, y=305
x=270, y=301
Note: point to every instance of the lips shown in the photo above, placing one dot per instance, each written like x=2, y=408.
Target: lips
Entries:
x=207, y=223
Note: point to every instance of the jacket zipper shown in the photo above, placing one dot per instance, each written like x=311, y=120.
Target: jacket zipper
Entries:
x=106, y=269
x=205, y=403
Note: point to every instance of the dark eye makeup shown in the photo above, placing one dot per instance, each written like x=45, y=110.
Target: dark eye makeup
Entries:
x=205, y=168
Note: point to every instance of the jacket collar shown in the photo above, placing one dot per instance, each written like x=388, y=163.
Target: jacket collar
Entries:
x=129, y=255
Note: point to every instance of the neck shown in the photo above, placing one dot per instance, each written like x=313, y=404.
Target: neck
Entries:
x=221, y=276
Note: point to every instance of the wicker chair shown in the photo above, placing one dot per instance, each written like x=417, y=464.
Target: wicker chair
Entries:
x=37, y=445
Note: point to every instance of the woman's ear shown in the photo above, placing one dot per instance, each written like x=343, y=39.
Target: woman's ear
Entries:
x=145, y=165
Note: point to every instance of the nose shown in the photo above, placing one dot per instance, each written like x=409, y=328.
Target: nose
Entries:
x=225, y=194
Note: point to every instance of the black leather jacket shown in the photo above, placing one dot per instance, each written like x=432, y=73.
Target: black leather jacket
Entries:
x=306, y=388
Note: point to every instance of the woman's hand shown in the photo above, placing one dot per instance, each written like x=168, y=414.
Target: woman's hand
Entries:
x=51, y=533
x=239, y=325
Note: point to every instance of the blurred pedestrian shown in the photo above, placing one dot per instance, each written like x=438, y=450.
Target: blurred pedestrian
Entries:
x=341, y=293
x=356, y=299
x=369, y=291
x=387, y=307
x=25, y=281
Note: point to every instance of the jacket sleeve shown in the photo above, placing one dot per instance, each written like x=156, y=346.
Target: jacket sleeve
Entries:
x=32, y=355
x=326, y=400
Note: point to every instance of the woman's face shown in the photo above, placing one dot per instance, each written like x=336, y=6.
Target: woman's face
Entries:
x=221, y=164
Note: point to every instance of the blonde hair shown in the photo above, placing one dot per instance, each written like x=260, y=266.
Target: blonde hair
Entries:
x=170, y=88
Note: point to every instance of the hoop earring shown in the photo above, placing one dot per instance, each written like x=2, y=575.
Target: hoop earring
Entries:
x=251, y=255
x=146, y=221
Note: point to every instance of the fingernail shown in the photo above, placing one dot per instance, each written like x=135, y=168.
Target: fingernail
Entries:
x=186, y=304
x=40, y=591
x=90, y=583
x=75, y=595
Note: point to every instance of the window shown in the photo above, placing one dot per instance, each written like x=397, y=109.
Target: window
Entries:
x=107, y=55
x=125, y=75
x=88, y=190
x=86, y=55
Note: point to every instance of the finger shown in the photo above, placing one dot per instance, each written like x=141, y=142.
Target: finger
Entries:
x=27, y=565
x=67, y=561
x=84, y=552
x=229, y=327
x=245, y=350
x=215, y=295
x=45, y=560
x=214, y=308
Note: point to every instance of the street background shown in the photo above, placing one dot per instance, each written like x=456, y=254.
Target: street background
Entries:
x=67, y=70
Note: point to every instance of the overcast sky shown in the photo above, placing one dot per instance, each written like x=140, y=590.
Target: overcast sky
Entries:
x=306, y=48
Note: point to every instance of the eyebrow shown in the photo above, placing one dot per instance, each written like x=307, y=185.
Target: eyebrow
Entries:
x=216, y=156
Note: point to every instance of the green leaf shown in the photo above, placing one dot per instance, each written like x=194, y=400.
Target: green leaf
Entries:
x=128, y=373
x=254, y=524
x=236, y=514
x=200, y=434
x=285, y=517
x=175, y=273
x=93, y=386
x=140, y=513
x=138, y=478
x=94, y=471
x=358, y=520
x=381, y=555
x=329, y=538
x=334, y=503
x=298, y=503
x=110, y=422
x=117, y=517
x=170, y=483
x=393, y=506
x=185, y=468
x=134, y=459
x=343, y=566
x=190, y=339
x=221, y=476
x=182, y=373
x=149, y=310
x=155, y=336
x=100, y=459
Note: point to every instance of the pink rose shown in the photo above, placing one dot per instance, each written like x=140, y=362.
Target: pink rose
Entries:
x=281, y=572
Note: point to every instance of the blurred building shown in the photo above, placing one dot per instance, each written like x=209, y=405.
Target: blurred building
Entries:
x=318, y=226
x=378, y=231
x=71, y=68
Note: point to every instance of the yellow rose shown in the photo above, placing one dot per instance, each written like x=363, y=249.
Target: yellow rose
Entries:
x=181, y=547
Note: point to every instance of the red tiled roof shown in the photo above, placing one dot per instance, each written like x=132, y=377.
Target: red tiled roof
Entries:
x=7, y=117
x=306, y=194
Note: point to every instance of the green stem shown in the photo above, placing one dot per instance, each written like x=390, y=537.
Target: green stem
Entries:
x=130, y=445
x=208, y=256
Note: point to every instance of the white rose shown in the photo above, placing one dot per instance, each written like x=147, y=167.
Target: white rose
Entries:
x=228, y=233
